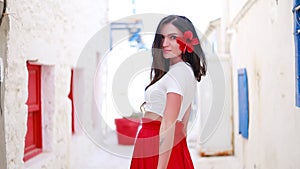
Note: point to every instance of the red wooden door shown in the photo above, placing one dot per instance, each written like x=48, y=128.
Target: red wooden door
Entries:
x=33, y=139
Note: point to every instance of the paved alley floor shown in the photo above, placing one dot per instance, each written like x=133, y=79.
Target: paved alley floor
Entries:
x=100, y=158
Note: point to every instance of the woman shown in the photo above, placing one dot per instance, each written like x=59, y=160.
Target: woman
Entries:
x=178, y=63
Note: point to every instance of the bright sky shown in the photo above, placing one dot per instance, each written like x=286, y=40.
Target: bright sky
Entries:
x=200, y=12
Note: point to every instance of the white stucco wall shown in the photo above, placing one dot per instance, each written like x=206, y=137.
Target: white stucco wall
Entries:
x=234, y=7
x=263, y=43
x=3, y=50
x=52, y=33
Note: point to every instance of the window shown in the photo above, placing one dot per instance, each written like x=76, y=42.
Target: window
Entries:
x=33, y=139
x=243, y=102
x=72, y=101
x=296, y=11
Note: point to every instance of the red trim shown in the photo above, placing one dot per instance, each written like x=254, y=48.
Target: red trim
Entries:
x=33, y=139
x=72, y=102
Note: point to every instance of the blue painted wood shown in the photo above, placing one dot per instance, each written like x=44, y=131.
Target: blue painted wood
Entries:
x=296, y=3
x=296, y=12
x=243, y=102
x=297, y=69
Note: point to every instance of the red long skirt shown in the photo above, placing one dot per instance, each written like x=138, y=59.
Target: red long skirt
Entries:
x=146, y=149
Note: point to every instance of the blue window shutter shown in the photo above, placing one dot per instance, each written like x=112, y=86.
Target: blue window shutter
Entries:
x=296, y=3
x=243, y=102
x=296, y=12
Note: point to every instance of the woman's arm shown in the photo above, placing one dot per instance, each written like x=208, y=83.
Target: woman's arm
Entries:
x=167, y=128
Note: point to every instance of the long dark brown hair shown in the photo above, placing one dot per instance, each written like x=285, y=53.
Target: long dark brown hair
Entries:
x=160, y=65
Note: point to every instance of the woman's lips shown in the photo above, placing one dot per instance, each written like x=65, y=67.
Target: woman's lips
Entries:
x=166, y=50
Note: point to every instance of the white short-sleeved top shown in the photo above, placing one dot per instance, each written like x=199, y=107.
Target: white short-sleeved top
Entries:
x=179, y=79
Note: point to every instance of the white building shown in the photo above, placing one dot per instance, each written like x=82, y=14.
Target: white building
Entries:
x=257, y=35
x=48, y=35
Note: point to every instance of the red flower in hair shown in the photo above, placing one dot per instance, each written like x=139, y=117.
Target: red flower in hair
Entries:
x=187, y=42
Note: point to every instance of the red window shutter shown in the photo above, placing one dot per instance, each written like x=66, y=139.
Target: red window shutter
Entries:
x=72, y=101
x=33, y=139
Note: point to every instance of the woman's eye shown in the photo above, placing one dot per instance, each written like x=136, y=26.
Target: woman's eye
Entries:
x=173, y=37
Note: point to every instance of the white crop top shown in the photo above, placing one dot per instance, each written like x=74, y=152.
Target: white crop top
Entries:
x=179, y=79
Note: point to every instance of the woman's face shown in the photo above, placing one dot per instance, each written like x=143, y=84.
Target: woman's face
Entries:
x=170, y=46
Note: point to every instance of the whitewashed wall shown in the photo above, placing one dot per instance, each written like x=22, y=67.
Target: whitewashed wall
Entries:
x=235, y=7
x=262, y=42
x=52, y=33
x=3, y=51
